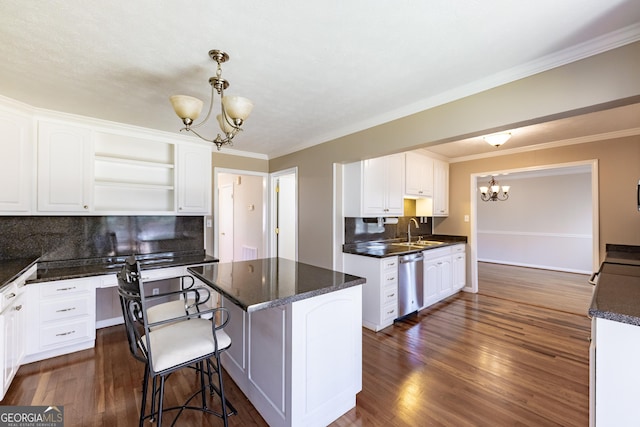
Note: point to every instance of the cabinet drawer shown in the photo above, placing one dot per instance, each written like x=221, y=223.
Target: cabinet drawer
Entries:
x=63, y=288
x=390, y=296
x=390, y=263
x=389, y=278
x=65, y=308
x=389, y=313
x=67, y=332
x=457, y=249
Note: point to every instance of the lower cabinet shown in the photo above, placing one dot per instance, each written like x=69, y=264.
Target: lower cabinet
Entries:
x=62, y=317
x=444, y=273
x=380, y=292
x=615, y=373
x=13, y=330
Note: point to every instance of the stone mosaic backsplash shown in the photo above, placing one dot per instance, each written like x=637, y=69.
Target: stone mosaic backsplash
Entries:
x=81, y=237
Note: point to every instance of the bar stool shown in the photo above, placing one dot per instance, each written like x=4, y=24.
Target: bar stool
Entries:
x=178, y=337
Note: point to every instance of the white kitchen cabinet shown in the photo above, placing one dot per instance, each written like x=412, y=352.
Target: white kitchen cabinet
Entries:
x=13, y=329
x=62, y=317
x=444, y=272
x=440, y=188
x=374, y=187
x=64, y=168
x=380, y=292
x=194, y=179
x=418, y=175
x=459, y=267
x=16, y=163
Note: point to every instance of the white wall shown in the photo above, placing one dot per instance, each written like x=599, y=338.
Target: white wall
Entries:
x=545, y=223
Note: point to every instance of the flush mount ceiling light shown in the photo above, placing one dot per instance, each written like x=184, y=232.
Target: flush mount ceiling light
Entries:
x=234, y=109
x=497, y=139
x=493, y=193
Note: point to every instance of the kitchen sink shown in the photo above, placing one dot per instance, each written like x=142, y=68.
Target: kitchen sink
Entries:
x=419, y=244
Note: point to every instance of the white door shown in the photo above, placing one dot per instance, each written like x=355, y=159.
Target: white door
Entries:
x=284, y=214
x=225, y=223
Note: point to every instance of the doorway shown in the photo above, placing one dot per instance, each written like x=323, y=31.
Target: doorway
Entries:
x=284, y=214
x=591, y=166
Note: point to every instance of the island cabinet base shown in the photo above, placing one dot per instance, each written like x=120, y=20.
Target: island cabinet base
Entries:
x=299, y=364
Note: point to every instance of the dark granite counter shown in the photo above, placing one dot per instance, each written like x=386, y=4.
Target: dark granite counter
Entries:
x=617, y=293
x=270, y=282
x=387, y=248
x=74, y=269
x=11, y=269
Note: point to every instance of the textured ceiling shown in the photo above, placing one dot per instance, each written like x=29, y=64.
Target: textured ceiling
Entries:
x=316, y=70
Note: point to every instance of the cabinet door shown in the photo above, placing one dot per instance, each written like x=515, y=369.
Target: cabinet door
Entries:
x=12, y=341
x=15, y=163
x=418, y=175
x=374, y=184
x=194, y=179
x=395, y=185
x=459, y=268
x=432, y=278
x=64, y=168
x=440, y=188
x=446, y=282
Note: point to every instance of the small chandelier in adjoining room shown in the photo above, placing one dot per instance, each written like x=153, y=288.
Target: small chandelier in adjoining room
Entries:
x=234, y=109
x=493, y=192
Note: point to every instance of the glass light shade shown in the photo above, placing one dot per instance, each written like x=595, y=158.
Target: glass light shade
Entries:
x=224, y=125
x=237, y=107
x=484, y=190
x=495, y=188
x=186, y=107
x=497, y=139
x=505, y=188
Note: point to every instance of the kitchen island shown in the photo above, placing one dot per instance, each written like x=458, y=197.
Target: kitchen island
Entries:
x=296, y=333
x=615, y=339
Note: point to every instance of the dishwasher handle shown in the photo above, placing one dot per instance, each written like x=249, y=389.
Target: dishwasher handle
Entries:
x=411, y=258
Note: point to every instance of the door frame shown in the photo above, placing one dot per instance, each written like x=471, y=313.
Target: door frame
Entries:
x=473, y=192
x=272, y=209
x=216, y=204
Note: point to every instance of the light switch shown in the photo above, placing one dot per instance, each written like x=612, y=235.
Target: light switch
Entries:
x=466, y=218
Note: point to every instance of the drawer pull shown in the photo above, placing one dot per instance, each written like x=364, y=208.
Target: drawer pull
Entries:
x=62, y=334
x=66, y=289
x=65, y=309
x=391, y=295
x=11, y=295
x=18, y=307
x=391, y=312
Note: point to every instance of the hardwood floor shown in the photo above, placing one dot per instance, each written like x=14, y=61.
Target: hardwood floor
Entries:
x=508, y=356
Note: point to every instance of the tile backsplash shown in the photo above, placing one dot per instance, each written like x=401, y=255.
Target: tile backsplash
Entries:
x=80, y=237
x=367, y=229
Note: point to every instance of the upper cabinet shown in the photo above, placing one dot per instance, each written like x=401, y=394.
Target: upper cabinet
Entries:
x=440, y=188
x=374, y=187
x=51, y=166
x=64, y=168
x=194, y=179
x=418, y=175
x=16, y=163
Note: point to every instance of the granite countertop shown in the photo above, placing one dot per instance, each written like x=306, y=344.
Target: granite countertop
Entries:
x=270, y=282
x=73, y=269
x=387, y=248
x=617, y=292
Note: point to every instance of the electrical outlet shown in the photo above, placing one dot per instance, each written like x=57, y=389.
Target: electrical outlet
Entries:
x=155, y=291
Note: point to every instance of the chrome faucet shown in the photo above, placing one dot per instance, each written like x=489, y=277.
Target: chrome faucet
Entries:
x=409, y=229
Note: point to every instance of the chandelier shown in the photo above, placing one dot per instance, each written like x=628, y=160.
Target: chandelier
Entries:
x=234, y=109
x=493, y=193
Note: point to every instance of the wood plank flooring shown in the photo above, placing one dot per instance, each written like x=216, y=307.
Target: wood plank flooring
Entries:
x=509, y=355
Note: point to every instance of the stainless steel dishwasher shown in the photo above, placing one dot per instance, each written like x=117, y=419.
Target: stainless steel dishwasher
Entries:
x=410, y=280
